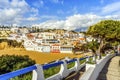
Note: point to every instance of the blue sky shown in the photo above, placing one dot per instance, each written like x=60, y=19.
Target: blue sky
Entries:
x=67, y=14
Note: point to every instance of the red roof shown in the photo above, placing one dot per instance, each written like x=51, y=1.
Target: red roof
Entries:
x=55, y=45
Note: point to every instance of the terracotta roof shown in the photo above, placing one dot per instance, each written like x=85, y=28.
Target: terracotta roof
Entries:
x=81, y=38
x=55, y=45
x=66, y=45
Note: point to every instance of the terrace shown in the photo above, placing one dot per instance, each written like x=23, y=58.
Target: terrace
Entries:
x=69, y=69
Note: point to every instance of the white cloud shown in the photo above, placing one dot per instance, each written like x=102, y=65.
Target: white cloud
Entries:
x=76, y=21
x=32, y=18
x=48, y=17
x=12, y=12
x=111, y=8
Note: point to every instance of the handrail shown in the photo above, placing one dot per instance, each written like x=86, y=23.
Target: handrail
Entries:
x=86, y=57
x=82, y=58
x=34, y=67
x=72, y=60
x=46, y=66
x=17, y=72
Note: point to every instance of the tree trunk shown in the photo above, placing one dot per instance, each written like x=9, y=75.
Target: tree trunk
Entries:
x=100, y=47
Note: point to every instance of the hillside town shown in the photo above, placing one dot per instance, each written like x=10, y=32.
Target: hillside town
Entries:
x=46, y=40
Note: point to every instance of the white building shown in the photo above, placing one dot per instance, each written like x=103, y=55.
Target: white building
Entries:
x=29, y=45
x=47, y=35
x=38, y=48
x=39, y=41
x=90, y=38
x=24, y=37
x=46, y=48
x=33, y=46
x=81, y=35
x=66, y=49
x=14, y=29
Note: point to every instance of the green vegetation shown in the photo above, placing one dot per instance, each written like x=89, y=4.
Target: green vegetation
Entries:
x=103, y=55
x=107, y=31
x=51, y=71
x=27, y=76
x=82, y=61
x=11, y=63
x=93, y=45
x=70, y=65
x=91, y=61
x=54, y=70
x=12, y=43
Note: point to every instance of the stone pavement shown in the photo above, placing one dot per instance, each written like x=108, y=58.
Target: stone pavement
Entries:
x=75, y=75
x=111, y=70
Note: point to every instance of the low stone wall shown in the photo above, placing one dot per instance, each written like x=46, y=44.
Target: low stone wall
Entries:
x=93, y=70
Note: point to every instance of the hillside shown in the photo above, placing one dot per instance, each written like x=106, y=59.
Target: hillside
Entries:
x=40, y=58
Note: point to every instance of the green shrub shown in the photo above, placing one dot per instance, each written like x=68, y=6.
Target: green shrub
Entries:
x=103, y=54
x=11, y=63
x=91, y=61
x=82, y=61
x=70, y=65
x=12, y=43
x=51, y=71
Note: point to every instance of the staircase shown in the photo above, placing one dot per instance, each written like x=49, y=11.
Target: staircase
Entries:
x=111, y=70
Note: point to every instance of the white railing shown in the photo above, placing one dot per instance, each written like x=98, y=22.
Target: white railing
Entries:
x=93, y=70
x=38, y=70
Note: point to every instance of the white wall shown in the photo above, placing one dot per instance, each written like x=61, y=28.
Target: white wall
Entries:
x=94, y=70
x=38, y=48
x=66, y=52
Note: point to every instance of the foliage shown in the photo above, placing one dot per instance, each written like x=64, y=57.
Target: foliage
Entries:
x=81, y=47
x=70, y=65
x=11, y=63
x=27, y=76
x=82, y=61
x=12, y=43
x=51, y=71
x=93, y=45
x=91, y=61
x=54, y=70
x=105, y=31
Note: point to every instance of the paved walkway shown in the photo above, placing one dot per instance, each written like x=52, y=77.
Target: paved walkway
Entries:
x=75, y=75
x=111, y=70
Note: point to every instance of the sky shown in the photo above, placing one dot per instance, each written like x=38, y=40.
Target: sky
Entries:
x=59, y=14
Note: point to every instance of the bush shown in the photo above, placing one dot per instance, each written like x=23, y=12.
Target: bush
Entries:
x=11, y=63
x=82, y=61
x=70, y=65
x=51, y=71
x=12, y=43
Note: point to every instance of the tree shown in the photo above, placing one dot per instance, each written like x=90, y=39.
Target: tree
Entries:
x=11, y=63
x=93, y=45
x=105, y=31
